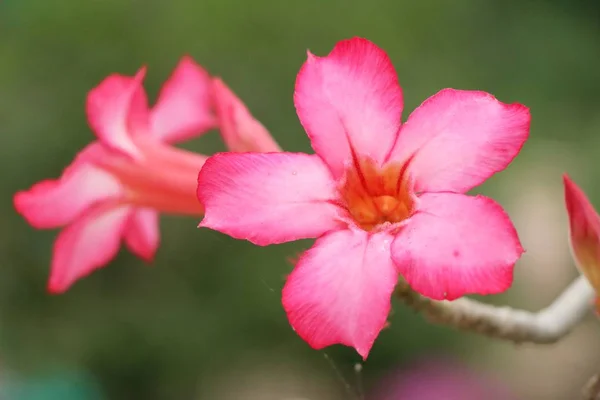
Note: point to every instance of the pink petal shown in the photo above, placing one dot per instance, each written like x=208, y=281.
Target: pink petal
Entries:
x=116, y=109
x=349, y=101
x=268, y=198
x=340, y=290
x=460, y=138
x=584, y=232
x=456, y=245
x=86, y=245
x=183, y=109
x=142, y=234
x=240, y=131
x=54, y=203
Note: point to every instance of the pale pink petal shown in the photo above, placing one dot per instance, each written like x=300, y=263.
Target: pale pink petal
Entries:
x=54, y=203
x=183, y=109
x=240, y=131
x=340, y=290
x=86, y=245
x=460, y=138
x=116, y=109
x=142, y=233
x=584, y=232
x=456, y=245
x=349, y=101
x=268, y=198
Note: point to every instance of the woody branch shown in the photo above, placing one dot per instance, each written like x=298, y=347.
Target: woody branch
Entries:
x=545, y=326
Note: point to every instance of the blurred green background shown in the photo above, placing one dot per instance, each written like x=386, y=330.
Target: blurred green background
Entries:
x=205, y=320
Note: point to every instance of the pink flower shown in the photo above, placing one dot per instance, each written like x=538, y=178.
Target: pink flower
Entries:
x=584, y=224
x=383, y=199
x=439, y=379
x=116, y=186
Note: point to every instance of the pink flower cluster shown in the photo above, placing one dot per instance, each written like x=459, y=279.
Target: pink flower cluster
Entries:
x=385, y=200
x=116, y=187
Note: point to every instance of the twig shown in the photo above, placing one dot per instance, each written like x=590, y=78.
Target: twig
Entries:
x=546, y=326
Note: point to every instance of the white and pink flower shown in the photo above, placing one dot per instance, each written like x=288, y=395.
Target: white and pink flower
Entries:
x=384, y=200
x=116, y=187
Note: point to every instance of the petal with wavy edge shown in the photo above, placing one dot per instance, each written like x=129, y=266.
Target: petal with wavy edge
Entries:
x=54, y=203
x=458, y=138
x=268, y=198
x=116, y=109
x=86, y=245
x=183, y=110
x=456, y=245
x=340, y=290
x=240, y=131
x=349, y=102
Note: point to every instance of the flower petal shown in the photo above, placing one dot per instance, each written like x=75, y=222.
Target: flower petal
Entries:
x=456, y=245
x=584, y=224
x=240, y=131
x=183, y=109
x=460, y=138
x=54, y=203
x=340, y=290
x=86, y=245
x=142, y=234
x=349, y=101
x=268, y=198
x=116, y=108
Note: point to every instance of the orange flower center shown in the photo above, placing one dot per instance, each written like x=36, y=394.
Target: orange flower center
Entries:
x=375, y=196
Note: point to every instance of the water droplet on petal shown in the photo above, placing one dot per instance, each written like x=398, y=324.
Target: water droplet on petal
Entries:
x=294, y=172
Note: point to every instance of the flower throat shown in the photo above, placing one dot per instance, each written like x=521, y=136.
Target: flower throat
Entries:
x=374, y=196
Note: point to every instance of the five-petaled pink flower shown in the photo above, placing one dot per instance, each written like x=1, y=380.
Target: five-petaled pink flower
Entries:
x=584, y=238
x=116, y=187
x=383, y=199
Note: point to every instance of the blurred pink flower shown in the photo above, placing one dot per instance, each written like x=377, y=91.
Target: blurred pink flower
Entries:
x=584, y=231
x=116, y=187
x=240, y=131
x=382, y=199
x=439, y=380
